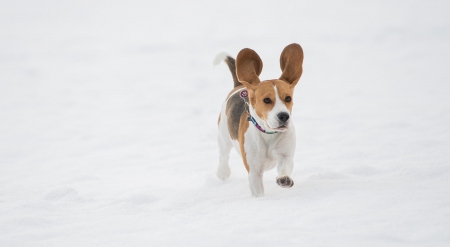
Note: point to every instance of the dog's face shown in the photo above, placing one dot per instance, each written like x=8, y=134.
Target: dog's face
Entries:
x=271, y=99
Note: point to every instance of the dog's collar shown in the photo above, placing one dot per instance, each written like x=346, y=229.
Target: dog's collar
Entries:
x=244, y=96
x=252, y=119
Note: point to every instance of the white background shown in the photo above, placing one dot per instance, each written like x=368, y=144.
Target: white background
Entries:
x=108, y=123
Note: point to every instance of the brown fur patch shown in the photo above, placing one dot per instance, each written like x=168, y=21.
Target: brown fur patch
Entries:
x=243, y=127
x=263, y=90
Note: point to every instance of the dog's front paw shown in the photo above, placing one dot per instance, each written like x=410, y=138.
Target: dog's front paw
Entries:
x=285, y=181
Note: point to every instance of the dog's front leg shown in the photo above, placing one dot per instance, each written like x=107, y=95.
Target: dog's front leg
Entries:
x=255, y=167
x=285, y=166
x=255, y=178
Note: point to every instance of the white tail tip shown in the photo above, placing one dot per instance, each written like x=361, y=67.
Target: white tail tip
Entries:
x=220, y=57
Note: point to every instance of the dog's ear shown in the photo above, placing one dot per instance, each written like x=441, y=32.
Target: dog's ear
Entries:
x=248, y=68
x=291, y=61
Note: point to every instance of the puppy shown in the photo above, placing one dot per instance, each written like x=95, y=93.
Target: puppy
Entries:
x=256, y=118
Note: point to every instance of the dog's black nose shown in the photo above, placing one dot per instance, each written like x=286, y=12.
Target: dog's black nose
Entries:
x=283, y=116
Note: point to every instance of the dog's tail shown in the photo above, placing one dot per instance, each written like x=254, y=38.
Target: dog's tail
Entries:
x=231, y=65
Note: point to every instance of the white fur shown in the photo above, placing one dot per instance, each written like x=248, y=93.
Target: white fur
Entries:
x=263, y=151
x=219, y=58
x=225, y=145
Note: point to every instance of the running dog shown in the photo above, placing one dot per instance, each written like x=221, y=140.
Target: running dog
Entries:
x=256, y=117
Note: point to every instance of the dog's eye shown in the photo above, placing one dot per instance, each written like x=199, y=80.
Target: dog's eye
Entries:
x=288, y=99
x=267, y=101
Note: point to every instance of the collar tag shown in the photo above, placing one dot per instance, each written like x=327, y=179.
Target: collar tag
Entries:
x=243, y=94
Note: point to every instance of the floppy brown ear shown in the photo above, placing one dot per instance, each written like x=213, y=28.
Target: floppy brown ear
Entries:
x=248, y=67
x=291, y=61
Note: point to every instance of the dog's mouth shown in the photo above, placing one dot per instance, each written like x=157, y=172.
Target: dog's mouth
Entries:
x=280, y=128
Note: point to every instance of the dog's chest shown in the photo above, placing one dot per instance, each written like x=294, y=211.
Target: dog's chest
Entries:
x=262, y=149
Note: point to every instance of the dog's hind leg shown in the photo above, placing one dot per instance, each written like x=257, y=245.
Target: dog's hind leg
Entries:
x=225, y=145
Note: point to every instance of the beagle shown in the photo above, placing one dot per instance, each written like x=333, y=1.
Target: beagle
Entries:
x=256, y=118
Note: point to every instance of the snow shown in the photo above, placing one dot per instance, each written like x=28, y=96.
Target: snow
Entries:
x=109, y=121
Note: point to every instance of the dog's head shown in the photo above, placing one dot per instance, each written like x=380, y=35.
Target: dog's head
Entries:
x=272, y=100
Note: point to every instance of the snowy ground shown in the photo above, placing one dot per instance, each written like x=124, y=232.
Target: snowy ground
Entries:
x=108, y=117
